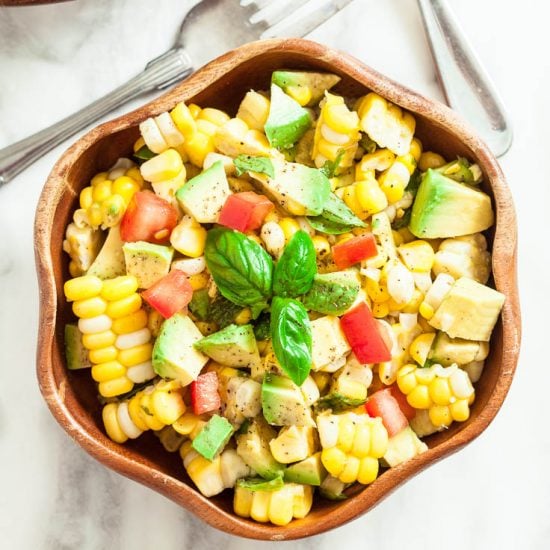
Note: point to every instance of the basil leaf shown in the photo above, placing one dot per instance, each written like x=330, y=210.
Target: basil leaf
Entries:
x=330, y=167
x=223, y=312
x=261, y=165
x=294, y=272
x=337, y=402
x=291, y=338
x=414, y=182
x=262, y=330
x=240, y=267
x=368, y=144
x=200, y=304
x=403, y=221
x=144, y=153
x=336, y=218
x=260, y=484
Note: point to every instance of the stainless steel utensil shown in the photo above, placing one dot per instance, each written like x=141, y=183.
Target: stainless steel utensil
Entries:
x=209, y=29
x=466, y=85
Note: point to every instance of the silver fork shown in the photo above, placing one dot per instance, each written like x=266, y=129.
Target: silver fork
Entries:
x=209, y=29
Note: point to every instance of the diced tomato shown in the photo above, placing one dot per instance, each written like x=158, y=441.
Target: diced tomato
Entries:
x=245, y=211
x=148, y=218
x=204, y=393
x=170, y=294
x=401, y=398
x=354, y=250
x=383, y=404
x=363, y=335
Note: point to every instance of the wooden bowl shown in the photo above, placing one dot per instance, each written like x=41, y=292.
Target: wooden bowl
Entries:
x=71, y=396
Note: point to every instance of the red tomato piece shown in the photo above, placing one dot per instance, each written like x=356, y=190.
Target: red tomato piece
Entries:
x=170, y=294
x=383, y=404
x=361, y=330
x=204, y=393
x=354, y=250
x=148, y=218
x=245, y=211
x=401, y=398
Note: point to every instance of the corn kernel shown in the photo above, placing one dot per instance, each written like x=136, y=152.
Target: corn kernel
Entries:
x=138, y=144
x=321, y=246
x=368, y=470
x=99, y=340
x=154, y=322
x=112, y=210
x=370, y=196
x=419, y=397
x=130, y=323
x=102, y=191
x=110, y=421
x=334, y=460
x=119, y=287
x=163, y=167
x=136, y=412
x=414, y=304
x=429, y=159
x=167, y=406
x=426, y=310
x=378, y=439
x=108, y=371
x=150, y=419
x=380, y=310
x=199, y=280
x=90, y=307
x=361, y=441
x=82, y=288
x=420, y=347
x=418, y=256
x=183, y=119
x=289, y=227
x=136, y=355
x=189, y=241
x=346, y=431
x=440, y=392
x=102, y=355
x=86, y=198
x=115, y=387
x=134, y=174
x=416, y=149
x=98, y=178
x=125, y=187
x=214, y=116
x=124, y=306
x=243, y=317
x=460, y=410
x=440, y=415
x=351, y=470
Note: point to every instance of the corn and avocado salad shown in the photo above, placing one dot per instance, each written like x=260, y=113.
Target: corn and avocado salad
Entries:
x=290, y=296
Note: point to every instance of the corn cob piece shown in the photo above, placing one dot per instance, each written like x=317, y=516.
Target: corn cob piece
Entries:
x=352, y=444
x=278, y=507
x=395, y=179
x=386, y=124
x=82, y=243
x=254, y=110
x=336, y=134
x=114, y=328
x=446, y=392
x=235, y=138
x=153, y=408
x=212, y=477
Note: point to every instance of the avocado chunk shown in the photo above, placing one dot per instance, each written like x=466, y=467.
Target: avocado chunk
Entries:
x=333, y=489
x=329, y=344
x=214, y=436
x=174, y=355
x=299, y=189
x=253, y=448
x=199, y=304
x=306, y=88
x=332, y=293
x=470, y=310
x=109, y=263
x=287, y=121
x=204, y=195
x=233, y=346
x=260, y=484
x=445, y=208
x=75, y=352
x=283, y=402
x=148, y=262
x=403, y=446
x=447, y=351
x=309, y=471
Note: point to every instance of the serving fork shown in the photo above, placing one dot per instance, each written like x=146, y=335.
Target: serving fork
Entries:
x=209, y=29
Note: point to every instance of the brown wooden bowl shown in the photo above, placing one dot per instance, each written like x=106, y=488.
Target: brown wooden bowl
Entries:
x=71, y=396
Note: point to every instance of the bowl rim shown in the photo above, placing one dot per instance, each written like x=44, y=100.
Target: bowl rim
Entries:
x=504, y=273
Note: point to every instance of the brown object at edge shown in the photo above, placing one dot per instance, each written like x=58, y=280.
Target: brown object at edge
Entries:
x=15, y=3
x=71, y=396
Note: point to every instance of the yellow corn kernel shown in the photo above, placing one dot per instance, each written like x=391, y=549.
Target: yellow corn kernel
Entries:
x=102, y=191
x=420, y=347
x=254, y=110
x=94, y=215
x=426, y=310
x=138, y=144
x=378, y=293
x=424, y=376
x=134, y=174
x=98, y=178
x=414, y=304
x=334, y=460
x=119, y=288
x=302, y=94
x=361, y=440
x=408, y=161
x=136, y=412
x=167, y=406
x=214, y=116
x=90, y=307
x=378, y=439
x=368, y=470
x=82, y=288
x=150, y=419
x=440, y=415
x=98, y=340
x=460, y=410
x=184, y=120
x=429, y=159
x=339, y=118
x=124, y=306
x=380, y=310
x=406, y=380
x=189, y=241
x=424, y=325
x=321, y=246
x=74, y=270
x=346, y=431
x=281, y=506
x=242, y=501
x=86, y=198
x=199, y=280
x=136, y=355
x=198, y=146
x=440, y=392
x=118, y=386
x=351, y=470
x=112, y=210
x=108, y=371
x=393, y=186
x=417, y=255
x=419, y=397
x=165, y=166
x=370, y=196
x=102, y=355
x=260, y=506
x=406, y=235
x=289, y=227
x=397, y=239
x=303, y=502
x=154, y=322
x=110, y=421
x=125, y=187
x=130, y=323
x=349, y=196
x=243, y=317
x=416, y=149
x=322, y=380
x=186, y=423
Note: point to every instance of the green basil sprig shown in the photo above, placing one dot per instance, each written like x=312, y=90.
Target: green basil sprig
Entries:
x=296, y=268
x=240, y=267
x=247, y=163
x=291, y=338
x=336, y=218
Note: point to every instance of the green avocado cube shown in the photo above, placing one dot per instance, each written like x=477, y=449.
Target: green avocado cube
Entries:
x=294, y=82
x=211, y=440
x=75, y=352
x=148, y=262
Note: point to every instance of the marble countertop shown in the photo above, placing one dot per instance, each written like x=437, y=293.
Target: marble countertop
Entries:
x=493, y=494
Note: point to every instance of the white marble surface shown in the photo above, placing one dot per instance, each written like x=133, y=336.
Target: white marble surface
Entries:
x=493, y=494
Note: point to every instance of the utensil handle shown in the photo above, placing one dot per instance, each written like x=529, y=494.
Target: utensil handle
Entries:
x=466, y=85
x=158, y=74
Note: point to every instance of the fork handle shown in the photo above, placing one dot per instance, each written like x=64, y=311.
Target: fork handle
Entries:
x=159, y=73
x=466, y=85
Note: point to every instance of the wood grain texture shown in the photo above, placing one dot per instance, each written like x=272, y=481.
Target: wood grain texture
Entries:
x=15, y=3
x=71, y=396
